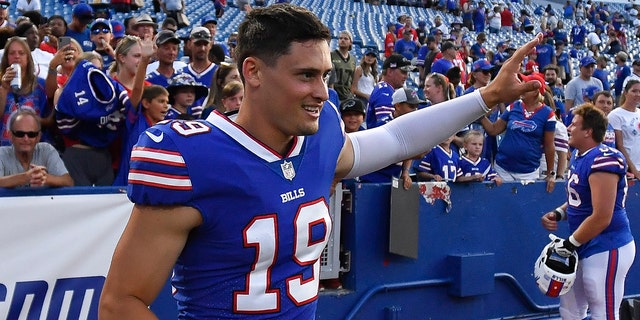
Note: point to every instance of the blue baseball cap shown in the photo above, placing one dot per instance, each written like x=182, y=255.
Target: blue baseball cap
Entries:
x=370, y=50
x=481, y=65
x=586, y=61
x=208, y=19
x=118, y=29
x=82, y=10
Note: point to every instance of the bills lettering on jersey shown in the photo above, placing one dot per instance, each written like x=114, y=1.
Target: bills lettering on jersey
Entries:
x=292, y=195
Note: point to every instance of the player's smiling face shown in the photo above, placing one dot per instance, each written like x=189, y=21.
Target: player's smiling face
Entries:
x=294, y=89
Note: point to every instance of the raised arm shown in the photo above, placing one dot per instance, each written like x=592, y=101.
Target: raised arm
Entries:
x=422, y=129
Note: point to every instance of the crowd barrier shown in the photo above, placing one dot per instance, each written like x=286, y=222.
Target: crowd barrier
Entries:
x=474, y=261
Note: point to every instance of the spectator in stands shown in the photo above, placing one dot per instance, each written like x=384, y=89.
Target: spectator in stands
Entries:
x=29, y=162
x=601, y=72
x=29, y=32
x=495, y=21
x=603, y=100
x=559, y=34
x=455, y=78
x=529, y=127
x=145, y=27
x=31, y=93
x=500, y=56
x=184, y=94
x=81, y=17
x=395, y=71
x=123, y=6
x=129, y=23
x=532, y=65
x=352, y=112
x=440, y=163
x=525, y=22
x=390, y=39
x=577, y=87
x=172, y=8
x=625, y=120
x=57, y=28
x=478, y=51
x=23, y=6
x=365, y=76
x=473, y=167
x=560, y=142
x=613, y=43
x=344, y=64
x=481, y=71
x=226, y=73
x=118, y=32
x=4, y=15
x=132, y=57
x=468, y=10
x=60, y=68
x=169, y=24
x=552, y=20
x=437, y=88
x=200, y=67
x=408, y=25
x=426, y=56
x=154, y=108
x=404, y=100
x=211, y=23
x=568, y=10
x=594, y=42
x=635, y=72
x=546, y=53
x=506, y=20
x=479, y=17
x=622, y=71
x=578, y=34
x=563, y=60
x=442, y=65
x=441, y=26
x=550, y=73
x=232, y=95
x=406, y=46
x=101, y=36
x=422, y=31
x=167, y=65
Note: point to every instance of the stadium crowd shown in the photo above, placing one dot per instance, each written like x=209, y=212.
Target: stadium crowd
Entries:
x=95, y=84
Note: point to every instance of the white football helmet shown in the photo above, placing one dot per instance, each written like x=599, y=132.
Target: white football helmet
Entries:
x=555, y=275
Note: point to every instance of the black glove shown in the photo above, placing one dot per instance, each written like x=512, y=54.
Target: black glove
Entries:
x=564, y=247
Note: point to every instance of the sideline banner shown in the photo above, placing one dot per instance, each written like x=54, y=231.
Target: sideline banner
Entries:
x=55, y=253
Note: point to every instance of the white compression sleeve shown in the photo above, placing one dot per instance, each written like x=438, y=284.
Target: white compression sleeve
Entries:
x=413, y=133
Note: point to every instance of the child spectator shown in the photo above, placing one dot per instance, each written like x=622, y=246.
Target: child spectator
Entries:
x=472, y=166
x=352, y=111
x=440, y=164
x=154, y=103
x=184, y=91
x=232, y=95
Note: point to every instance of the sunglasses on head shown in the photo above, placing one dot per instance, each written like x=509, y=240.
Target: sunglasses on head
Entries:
x=4, y=6
x=100, y=30
x=21, y=134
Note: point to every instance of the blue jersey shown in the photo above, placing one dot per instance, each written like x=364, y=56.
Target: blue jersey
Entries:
x=609, y=137
x=408, y=49
x=598, y=159
x=265, y=216
x=578, y=34
x=173, y=113
x=441, y=162
x=36, y=101
x=546, y=53
x=622, y=72
x=469, y=167
x=380, y=105
x=83, y=38
x=603, y=76
x=521, y=148
x=136, y=124
x=92, y=107
x=204, y=78
x=157, y=78
x=563, y=62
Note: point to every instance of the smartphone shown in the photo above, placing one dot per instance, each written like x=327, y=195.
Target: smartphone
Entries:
x=63, y=41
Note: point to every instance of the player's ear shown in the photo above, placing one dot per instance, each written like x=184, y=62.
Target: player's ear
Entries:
x=251, y=71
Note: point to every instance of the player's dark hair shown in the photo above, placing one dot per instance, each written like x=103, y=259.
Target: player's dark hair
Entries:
x=594, y=119
x=267, y=33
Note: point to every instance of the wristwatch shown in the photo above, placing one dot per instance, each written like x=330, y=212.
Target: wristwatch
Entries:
x=551, y=174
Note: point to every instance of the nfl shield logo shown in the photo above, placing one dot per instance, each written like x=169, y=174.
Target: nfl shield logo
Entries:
x=287, y=170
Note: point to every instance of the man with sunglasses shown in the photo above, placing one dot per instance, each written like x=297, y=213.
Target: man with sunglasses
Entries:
x=29, y=162
x=101, y=35
x=4, y=15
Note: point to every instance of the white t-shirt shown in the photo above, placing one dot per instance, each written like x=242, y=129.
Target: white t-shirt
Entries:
x=628, y=123
x=23, y=5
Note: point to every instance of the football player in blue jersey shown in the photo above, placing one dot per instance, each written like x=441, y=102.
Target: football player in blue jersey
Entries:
x=239, y=208
x=598, y=222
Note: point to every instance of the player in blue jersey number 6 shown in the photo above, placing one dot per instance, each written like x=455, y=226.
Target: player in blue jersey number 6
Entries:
x=598, y=222
x=237, y=209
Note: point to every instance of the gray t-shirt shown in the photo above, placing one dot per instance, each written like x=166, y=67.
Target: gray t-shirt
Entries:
x=577, y=88
x=44, y=155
